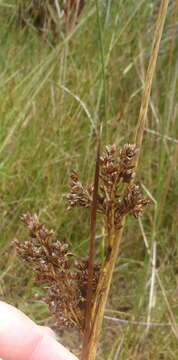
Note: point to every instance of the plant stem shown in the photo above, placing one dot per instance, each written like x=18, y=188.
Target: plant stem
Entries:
x=87, y=329
x=98, y=308
x=89, y=351
x=149, y=76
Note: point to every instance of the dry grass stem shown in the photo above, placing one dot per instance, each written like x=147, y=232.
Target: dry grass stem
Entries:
x=92, y=248
x=152, y=295
x=173, y=322
x=132, y=322
x=115, y=237
x=149, y=75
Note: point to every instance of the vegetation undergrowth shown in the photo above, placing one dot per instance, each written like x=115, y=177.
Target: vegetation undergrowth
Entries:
x=51, y=100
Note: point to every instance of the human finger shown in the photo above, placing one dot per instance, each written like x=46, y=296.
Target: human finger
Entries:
x=22, y=339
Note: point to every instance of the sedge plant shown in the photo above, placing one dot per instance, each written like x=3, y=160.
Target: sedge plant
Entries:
x=77, y=289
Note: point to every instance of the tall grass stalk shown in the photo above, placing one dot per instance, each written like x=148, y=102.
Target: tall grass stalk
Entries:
x=97, y=314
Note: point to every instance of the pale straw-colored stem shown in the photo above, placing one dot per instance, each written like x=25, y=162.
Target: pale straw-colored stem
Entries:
x=149, y=76
x=89, y=351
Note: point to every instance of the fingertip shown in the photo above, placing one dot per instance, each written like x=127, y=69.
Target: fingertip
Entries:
x=48, y=348
x=21, y=338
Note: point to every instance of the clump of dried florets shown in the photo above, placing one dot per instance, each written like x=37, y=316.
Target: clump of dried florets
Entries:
x=58, y=269
x=115, y=170
x=65, y=278
x=79, y=195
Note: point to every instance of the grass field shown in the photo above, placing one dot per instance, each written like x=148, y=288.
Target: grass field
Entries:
x=51, y=100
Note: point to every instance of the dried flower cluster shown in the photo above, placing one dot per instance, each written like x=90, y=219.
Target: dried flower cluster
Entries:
x=63, y=276
x=79, y=195
x=114, y=172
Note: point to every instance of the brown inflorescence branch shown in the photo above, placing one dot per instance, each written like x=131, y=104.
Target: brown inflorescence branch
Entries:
x=63, y=276
x=114, y=172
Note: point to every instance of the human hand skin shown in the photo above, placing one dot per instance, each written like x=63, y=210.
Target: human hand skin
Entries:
x=22, y=339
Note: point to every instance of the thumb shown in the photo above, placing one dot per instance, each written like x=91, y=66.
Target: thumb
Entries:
x=22, y=339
